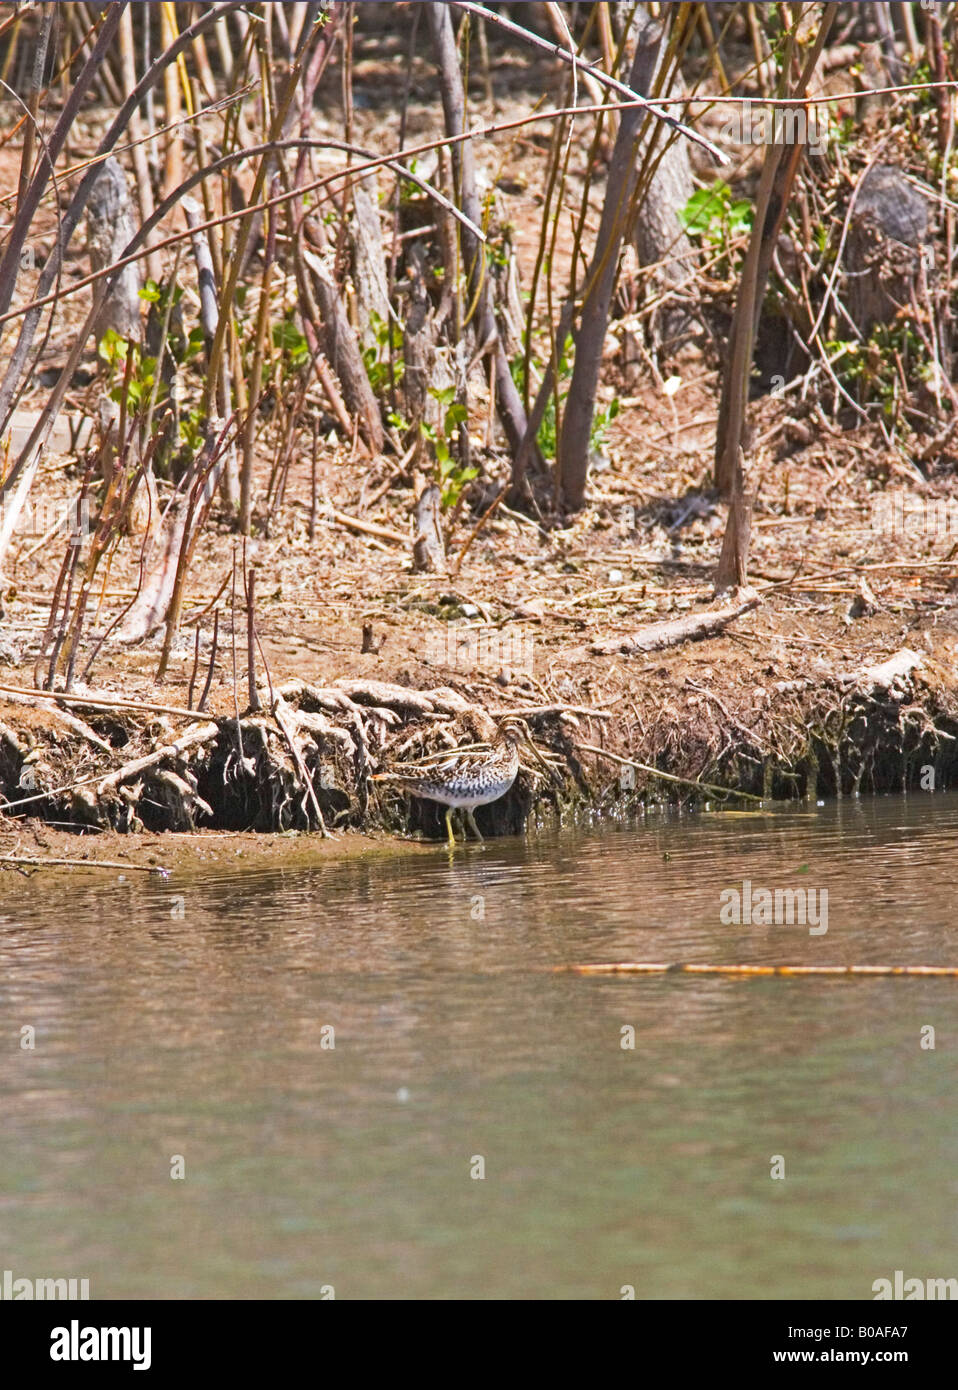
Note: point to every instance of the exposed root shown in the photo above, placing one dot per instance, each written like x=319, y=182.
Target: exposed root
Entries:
x=305, y=762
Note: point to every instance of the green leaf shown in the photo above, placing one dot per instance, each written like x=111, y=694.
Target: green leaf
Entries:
x=112, y=348
x=704, y=206
x=740, y=216
x=194, y=343
x=288, y=338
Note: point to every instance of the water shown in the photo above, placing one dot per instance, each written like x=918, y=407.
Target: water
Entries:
x=308, y=1166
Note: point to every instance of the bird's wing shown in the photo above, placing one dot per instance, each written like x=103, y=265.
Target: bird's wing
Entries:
x=403, y=771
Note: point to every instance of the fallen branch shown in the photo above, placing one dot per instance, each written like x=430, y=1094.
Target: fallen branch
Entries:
x=79, y=726
x=675, y=631
x=32, y=863
x=897, y=667
x=70, y=720
x=98, y=701
x=544, y=711
x=668, y=776
x=368, y=528
x=628, y=967
x=200, y=733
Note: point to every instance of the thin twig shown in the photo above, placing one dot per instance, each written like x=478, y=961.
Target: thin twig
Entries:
x=98, y=701
x=36, y=863
x=668, y=776
x=209, y=674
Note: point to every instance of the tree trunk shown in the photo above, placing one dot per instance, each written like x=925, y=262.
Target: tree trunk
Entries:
x=419, y=344
x=775, y=185
x=509, y=405
x=658, y=235
x=573, y=455
x=887, y=236
x=428, y=551
x=732, y=572
x=342, y=351
x=369, y=262
x=109, y=220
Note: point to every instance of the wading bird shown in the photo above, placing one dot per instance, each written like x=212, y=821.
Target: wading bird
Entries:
x=464, y=778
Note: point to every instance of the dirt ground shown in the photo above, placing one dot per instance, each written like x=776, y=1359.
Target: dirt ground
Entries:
x=36, y=844
x=777, y=705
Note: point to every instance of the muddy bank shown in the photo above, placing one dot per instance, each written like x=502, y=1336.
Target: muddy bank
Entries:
x=677, y=732
x=29, y=845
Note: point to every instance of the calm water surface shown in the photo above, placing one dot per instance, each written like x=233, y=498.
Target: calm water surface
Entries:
x=308, y=1166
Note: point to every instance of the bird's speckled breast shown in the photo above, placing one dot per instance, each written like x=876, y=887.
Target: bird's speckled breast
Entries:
x=463, y=792
x=468, y=782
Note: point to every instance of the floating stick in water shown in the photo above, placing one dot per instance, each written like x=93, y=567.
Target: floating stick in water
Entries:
x=629, y=967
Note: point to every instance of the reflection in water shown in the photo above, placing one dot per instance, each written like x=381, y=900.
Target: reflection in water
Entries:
x=309, y=1165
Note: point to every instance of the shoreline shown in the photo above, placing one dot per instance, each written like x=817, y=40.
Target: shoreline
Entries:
x=102, y=768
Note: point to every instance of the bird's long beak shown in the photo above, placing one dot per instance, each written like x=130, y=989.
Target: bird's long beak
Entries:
x=528, y=743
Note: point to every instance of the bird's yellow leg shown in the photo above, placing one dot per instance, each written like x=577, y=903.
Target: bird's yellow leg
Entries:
x=452, y=838
x=475, y=829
